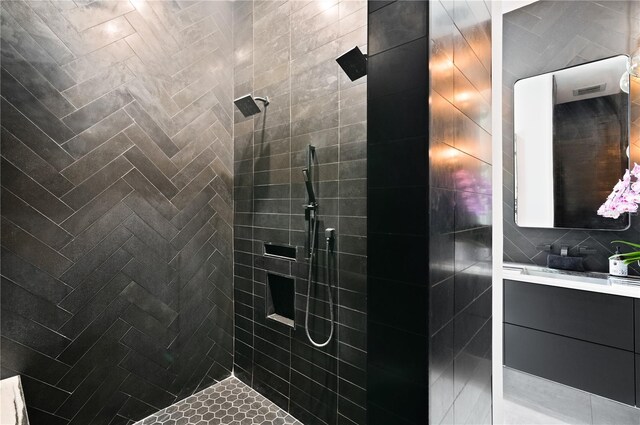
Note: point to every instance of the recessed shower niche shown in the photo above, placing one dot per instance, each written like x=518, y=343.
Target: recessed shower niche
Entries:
x=285, y=252
x=281, y=299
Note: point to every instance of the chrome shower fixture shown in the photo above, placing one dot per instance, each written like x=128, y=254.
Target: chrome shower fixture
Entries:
x=248, y=106
x=353, y=63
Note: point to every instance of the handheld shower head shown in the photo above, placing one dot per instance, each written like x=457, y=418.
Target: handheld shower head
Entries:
x=307, y=181
x=248, y=106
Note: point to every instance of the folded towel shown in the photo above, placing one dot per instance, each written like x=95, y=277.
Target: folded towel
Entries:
x=565, y=263
x=13, y=410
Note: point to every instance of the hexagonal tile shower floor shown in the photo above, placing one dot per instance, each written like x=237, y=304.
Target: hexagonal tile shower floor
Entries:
x=229, y=402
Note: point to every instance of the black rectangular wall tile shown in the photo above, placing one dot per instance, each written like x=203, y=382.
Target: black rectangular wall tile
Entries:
x=396, y=24
x=398, y=70
x=290, y=52
x=397, y=243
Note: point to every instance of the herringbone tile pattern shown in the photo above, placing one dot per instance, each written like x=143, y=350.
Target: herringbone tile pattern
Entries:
x=117, y=212
x=543, y=37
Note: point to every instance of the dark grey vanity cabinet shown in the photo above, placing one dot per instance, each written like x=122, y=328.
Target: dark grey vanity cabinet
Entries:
x=637, y=380
x=637, y=304
x=579, y=338
x=637, y=350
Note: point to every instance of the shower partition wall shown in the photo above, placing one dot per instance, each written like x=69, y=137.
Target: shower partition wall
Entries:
x=429, y=238
x=286, y=50
x=117, y=218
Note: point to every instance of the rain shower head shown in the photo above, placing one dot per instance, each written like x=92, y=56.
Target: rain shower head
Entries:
x=248, y=106
x=353, y=63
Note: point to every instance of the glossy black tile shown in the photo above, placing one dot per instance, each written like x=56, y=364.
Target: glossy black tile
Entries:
x=396, y=24
x=393, y=350
x=398, y=210
x=398, y=70
x=379, y=416
x=406, y=158
x=394, y=304
x=400, y=398
x=373, y=5
x=398, y=257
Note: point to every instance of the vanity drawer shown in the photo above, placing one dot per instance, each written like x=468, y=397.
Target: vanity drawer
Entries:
x=638, y=380
x=600, y=370
x=589, y=316
x=637, y=313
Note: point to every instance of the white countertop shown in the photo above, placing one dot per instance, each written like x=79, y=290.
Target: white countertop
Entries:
x=594, y=282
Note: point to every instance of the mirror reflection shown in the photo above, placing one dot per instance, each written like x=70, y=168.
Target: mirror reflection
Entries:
x=571, y=135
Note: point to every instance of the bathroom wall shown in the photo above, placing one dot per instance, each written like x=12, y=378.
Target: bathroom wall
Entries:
x=460, y=213
x=543, y=37
x=286, y=50
x=397, y=321
x=116, y=194
x=429, y=240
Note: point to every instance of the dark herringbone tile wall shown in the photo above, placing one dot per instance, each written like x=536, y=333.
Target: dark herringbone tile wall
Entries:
x=543, y=37
x=117, y=212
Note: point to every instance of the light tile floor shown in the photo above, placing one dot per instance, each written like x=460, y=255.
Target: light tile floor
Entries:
x=229, y=402
x=530, y=400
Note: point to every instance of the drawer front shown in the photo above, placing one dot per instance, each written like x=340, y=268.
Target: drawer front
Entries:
x=637, y=380
x=601, y=370
x=637, y=313
x=590, y=316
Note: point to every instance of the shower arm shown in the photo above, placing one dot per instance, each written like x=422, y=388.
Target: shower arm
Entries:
x=264, y=100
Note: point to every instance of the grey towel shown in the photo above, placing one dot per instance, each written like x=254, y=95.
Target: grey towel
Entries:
x=559, y=262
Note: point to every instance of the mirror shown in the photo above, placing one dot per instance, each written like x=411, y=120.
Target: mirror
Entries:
x=571, y=136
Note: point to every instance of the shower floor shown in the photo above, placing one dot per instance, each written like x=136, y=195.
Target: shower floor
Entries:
x=229, y=402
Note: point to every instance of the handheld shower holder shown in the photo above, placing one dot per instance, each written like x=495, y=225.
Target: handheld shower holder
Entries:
x=308, y=208
x=330, y=234
x=330, y=237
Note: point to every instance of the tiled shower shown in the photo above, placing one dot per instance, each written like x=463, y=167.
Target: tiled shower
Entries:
x=155, y=246
x=117, y=205
x=136, y=201
x=286, y=51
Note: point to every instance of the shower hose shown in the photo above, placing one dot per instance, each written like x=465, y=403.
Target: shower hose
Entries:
x=311, y=258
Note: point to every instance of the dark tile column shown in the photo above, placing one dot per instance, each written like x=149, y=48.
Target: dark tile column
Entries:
x=429, y=212
x=398, y=289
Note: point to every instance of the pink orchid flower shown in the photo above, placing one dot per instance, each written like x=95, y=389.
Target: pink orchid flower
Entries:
x=625, y=196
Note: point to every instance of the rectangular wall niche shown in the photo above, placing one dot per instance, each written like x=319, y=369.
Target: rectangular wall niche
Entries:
x=287, y=252
x=281, y=299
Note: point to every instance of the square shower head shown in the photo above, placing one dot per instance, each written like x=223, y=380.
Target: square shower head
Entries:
x=353, y=63
x=247, y=105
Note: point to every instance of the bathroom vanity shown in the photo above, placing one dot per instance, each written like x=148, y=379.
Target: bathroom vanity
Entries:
x=578, y=329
